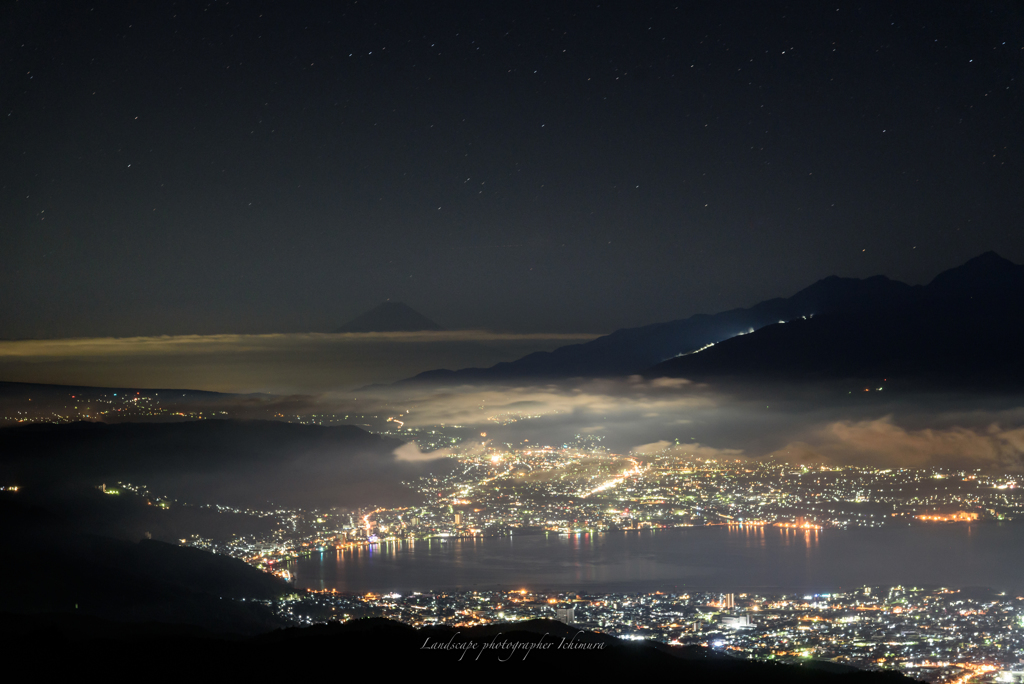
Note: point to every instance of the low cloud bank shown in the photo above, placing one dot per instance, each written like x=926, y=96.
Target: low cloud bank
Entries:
x=236, y=344
x=611, y=399
x=410, y=452
x=644, y=417
x=641, y=417
x=277, y=363
x=881, y=442
x=695, y=450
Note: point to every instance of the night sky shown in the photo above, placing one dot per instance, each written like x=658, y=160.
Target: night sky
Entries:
x=255, y=167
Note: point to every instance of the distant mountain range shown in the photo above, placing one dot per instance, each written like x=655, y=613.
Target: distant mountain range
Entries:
x=389, y=317
x=967, y=324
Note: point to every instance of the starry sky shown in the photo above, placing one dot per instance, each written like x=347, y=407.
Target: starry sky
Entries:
x=253, y=167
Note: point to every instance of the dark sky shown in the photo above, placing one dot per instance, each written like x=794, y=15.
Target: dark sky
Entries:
x=171, y=168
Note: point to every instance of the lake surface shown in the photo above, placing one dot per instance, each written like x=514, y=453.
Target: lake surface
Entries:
x=955, y=555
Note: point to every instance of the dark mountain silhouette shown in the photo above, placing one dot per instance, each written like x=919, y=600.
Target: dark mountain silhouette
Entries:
x=508, y=649
x=965, y=327
x=837, y=327
x=633, y=350
x=58, y=571
x=228, y=461
x=18, y=391
x=389, y=317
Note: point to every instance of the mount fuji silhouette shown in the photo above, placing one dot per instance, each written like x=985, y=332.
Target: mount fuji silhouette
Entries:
x=389, y=317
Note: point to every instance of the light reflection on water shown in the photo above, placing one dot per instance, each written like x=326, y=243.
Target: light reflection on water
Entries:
x=682, y=558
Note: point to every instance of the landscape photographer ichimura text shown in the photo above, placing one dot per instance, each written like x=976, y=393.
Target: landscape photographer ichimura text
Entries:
x=506, y=648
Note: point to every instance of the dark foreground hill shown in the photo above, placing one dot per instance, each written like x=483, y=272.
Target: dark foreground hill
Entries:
x=221, y=461
x=74, y=552
x=376, y=647
x=86, y=576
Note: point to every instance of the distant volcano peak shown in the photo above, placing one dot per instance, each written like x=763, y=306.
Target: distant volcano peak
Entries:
x=389, y=317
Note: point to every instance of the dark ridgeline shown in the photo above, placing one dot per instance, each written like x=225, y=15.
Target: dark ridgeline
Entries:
x=18, y=391
x=82, y=575
x=541, y=648
x=70, y=556
x=243, y=463
x=70, y=549
x=389, y=317
x=966, y=325
x=965, y=328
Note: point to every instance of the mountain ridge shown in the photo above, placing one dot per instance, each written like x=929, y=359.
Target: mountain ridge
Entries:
x=965, y=326
x=643, y=349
